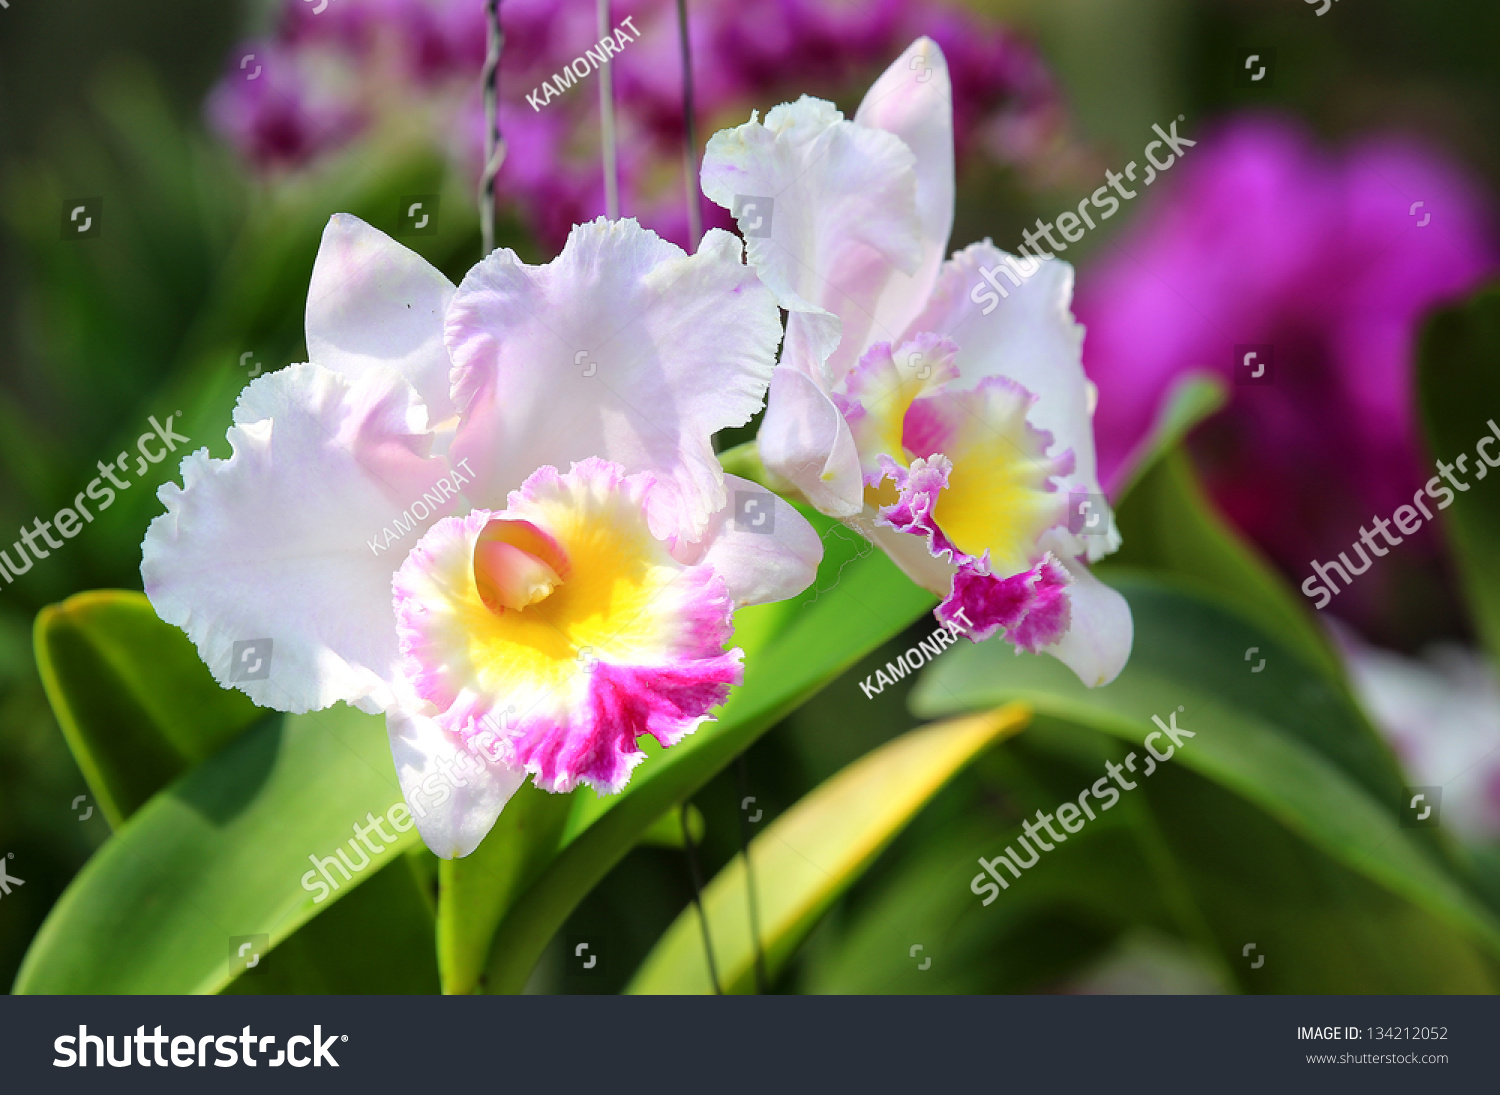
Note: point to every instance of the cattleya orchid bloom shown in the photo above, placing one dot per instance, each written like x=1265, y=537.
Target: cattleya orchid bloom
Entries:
x=939, y=407
x=523, y=618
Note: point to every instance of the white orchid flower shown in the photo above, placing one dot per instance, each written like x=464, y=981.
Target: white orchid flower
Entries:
x=941, y=410
x=564, y=564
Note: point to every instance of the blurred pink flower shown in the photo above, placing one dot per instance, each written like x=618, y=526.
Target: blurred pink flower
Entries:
x=1441, y=714
x=345, y=69
x=1263, y=237
x=276, y=112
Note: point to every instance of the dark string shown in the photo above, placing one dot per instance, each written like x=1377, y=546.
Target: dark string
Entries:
x=697, y=877
x=690, y=132
x=494, y=148
x=742, y=778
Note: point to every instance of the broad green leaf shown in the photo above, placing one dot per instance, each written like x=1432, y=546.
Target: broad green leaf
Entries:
x=1170, y=526
x=1324, y=922
x=667, y=832
x=1178, y=857
x=1283, y=738
x=136, y=704
x=476, y=892
x=792, y=650
x=1459, y=390
x=226, y=850
x=1069, y=910
x=815, y=851
x=1191, y=399
x=375, y=941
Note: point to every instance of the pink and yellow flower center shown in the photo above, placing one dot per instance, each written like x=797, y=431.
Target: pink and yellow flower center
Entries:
x=999, y=495
x=567, y=611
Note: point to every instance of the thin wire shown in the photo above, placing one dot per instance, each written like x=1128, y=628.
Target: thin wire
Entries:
x=742, y=777
x=494, y=147
x=692, y=858
x=607, y=122
x=689, y=133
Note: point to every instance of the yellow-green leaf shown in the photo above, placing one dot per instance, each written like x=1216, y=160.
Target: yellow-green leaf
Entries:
x=814, y=851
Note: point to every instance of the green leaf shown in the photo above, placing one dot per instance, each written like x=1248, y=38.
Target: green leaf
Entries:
x=136, y=704
x=376, y=941
x=222, y=852
x=1068, y=911
x=1169, y=526
x=1459, y=390
x=1179, y=858
x=1191, y=399
x=667, y=831
x=744, y=461
x=1285, y=738
x=547, y=852
x=815, y=851
x=476, y=892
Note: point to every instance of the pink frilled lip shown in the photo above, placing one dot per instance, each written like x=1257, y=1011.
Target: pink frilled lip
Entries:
x=1031, y=608
x=596, y=742
x=918, y=487
x=586, y=730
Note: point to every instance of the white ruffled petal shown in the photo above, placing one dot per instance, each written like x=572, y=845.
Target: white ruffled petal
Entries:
x=842, y=221
x=373, y=303
x=805, y=440
x=454, y=794
x=623, y=348
x=286, y=541
x=1101, y=631
x=913, y=99
x=760, y=545
x=911, y=553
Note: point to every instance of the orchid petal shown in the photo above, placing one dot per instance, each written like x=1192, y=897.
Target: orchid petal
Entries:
x=373, y=303
x=625, y=348
x=918, y=491
x=1101, y=634
x=276, y=541
x=1031, y=608
x=806, y=440
x=761, y=546
x=881, y=389
x=454, y=793
x=913, y=99
x=844, y=220
x=912, y=554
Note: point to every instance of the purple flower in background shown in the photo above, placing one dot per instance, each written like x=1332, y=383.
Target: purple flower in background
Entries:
x=360, y=63
x=1332, y=259
x=277, y=112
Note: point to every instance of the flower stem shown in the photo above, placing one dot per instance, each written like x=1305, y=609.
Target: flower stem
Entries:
x=742, y=777
x=689, y=132
x=607, y=123
x=494, y=147
x=692, y=858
